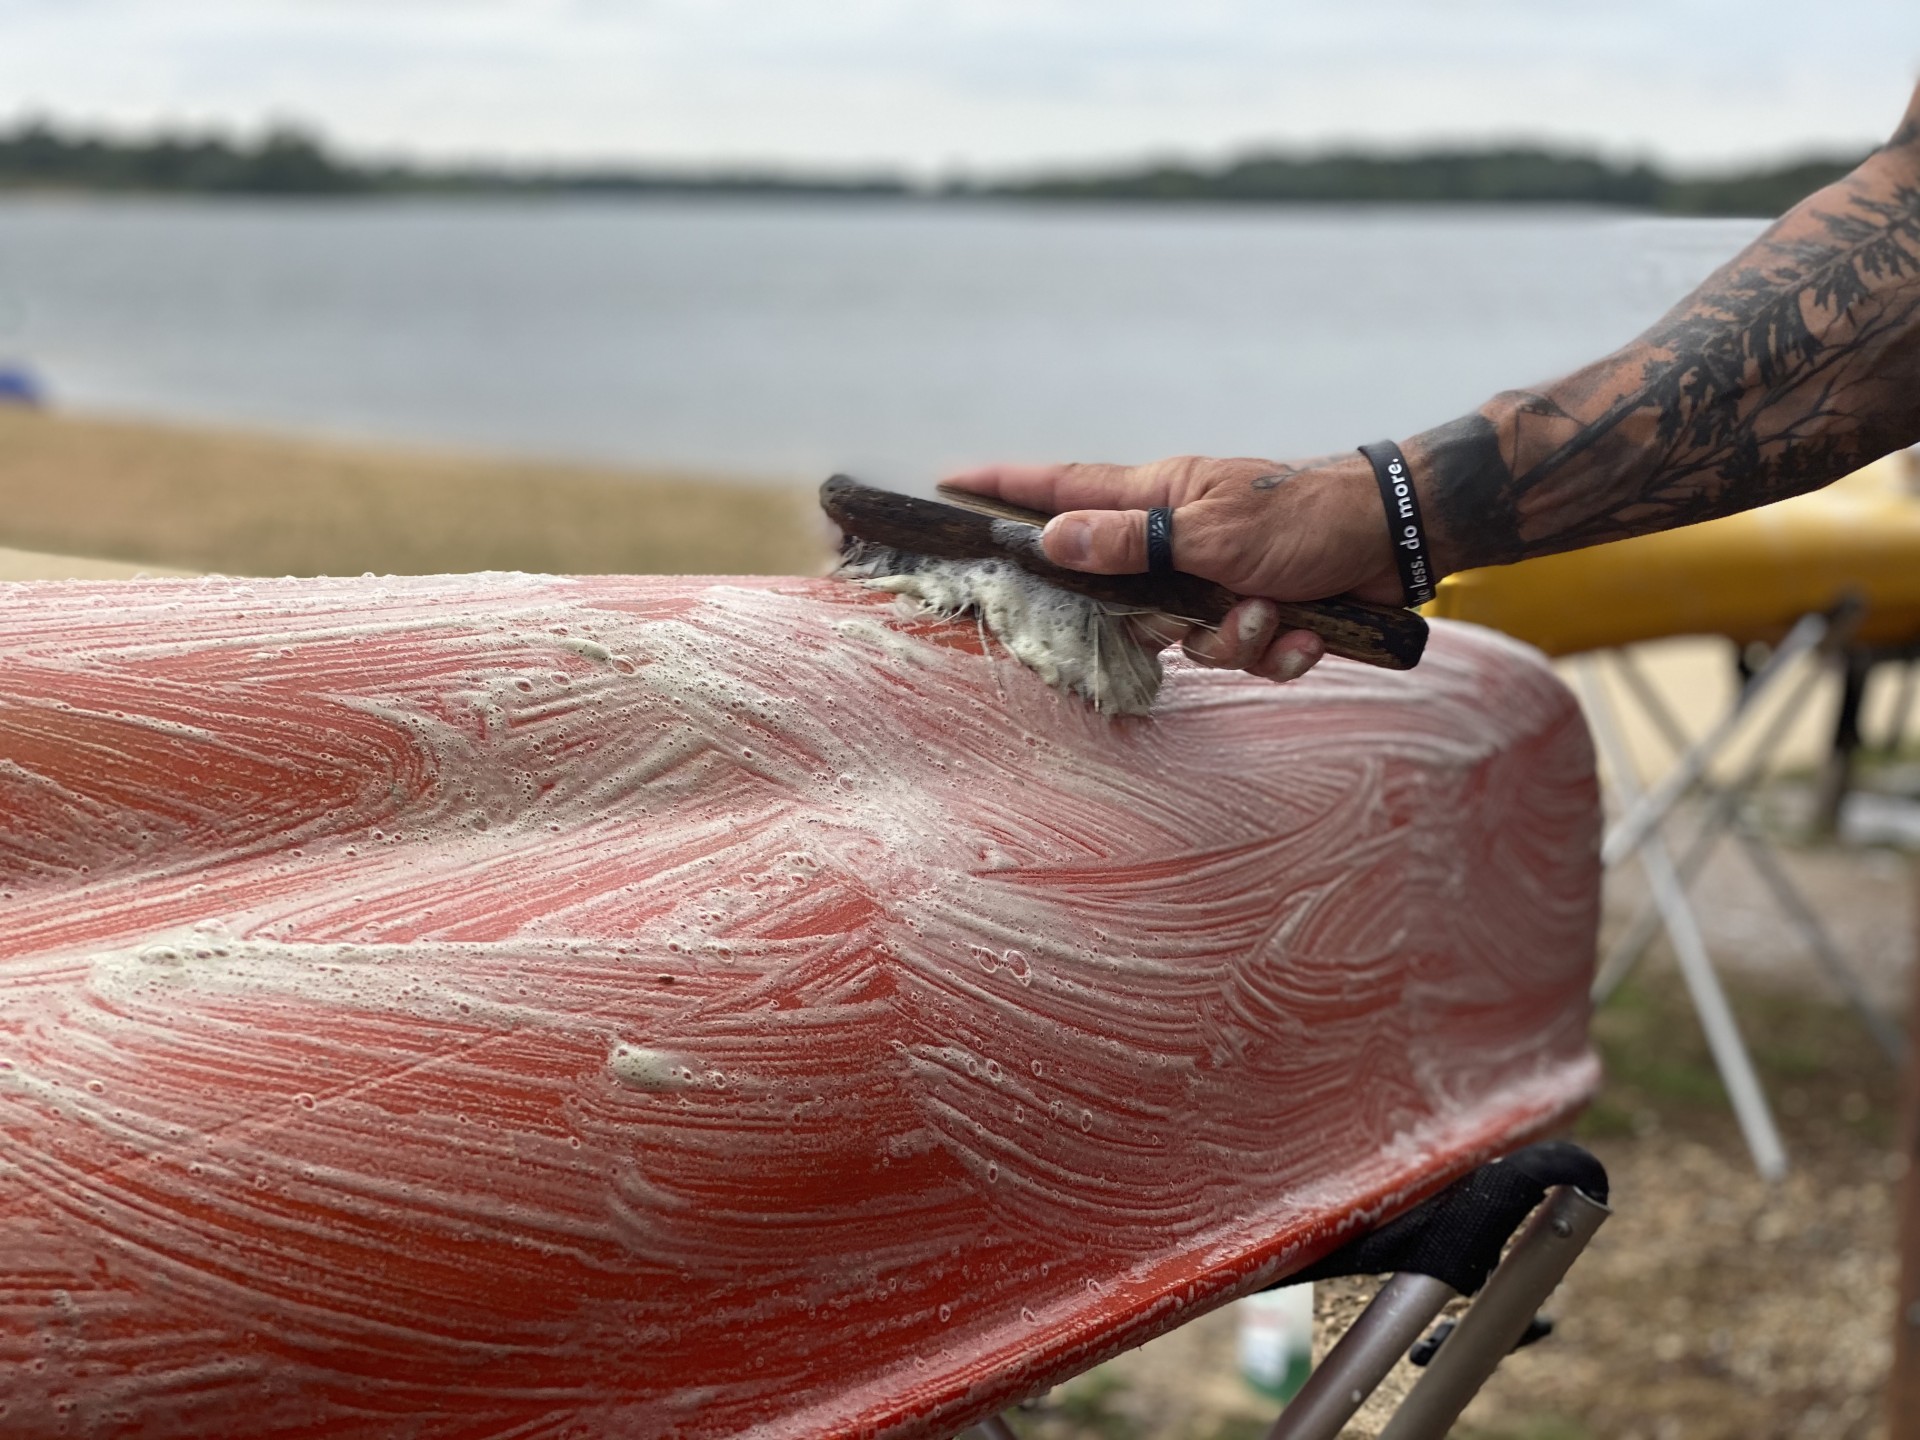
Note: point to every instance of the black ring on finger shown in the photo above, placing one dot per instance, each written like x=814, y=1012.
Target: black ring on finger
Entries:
x=1160, y=540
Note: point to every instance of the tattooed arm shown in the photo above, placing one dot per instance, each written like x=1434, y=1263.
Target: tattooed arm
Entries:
x=1795, y=363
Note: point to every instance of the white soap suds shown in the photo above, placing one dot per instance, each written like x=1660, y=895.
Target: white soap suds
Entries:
x=1071, y=642
x=639, y=1068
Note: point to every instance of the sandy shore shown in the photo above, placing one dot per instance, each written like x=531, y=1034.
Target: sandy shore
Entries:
x=155, y=495
x=40, y=565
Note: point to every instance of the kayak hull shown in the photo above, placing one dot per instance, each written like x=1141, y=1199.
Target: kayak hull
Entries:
x=509, y=1005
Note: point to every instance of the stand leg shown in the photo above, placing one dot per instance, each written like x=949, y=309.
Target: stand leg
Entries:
x=1385, y=1331
x=1696, y=967
x=1656, y=708
x=1487, y=1333
x=1837, y=776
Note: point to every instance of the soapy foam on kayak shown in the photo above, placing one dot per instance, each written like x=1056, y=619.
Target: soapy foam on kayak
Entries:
x=639, y=1068
x=1071, y=642
x=617, y=938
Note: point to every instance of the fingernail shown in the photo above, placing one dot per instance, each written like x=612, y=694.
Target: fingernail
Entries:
x=1257, y=620
x=1068, y=541
x=1291, y=666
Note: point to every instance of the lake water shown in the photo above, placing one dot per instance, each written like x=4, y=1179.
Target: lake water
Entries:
x=791, y=338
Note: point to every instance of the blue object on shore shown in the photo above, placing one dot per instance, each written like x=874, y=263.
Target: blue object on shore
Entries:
x=18, y=386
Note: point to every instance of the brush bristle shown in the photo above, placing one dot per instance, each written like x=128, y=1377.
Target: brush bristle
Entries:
x=1073, y=643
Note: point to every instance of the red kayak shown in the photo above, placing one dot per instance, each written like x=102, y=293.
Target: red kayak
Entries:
x=519, y=1006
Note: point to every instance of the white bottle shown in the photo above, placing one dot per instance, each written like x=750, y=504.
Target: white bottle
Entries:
x=1276, y=1340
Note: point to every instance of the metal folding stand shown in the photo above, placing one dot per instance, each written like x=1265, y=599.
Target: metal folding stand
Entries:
x=1638, y=834
x=1729, y=1050
x=1447, y=1248
x=1726, y=815
x=1645, y=814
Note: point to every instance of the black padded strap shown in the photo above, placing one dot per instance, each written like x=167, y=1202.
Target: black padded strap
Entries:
x=1457, y=1236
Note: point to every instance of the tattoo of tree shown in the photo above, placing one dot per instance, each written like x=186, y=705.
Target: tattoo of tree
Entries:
x=1795, y=363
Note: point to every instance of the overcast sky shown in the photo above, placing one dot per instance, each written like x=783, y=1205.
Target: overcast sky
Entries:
x=938, y=85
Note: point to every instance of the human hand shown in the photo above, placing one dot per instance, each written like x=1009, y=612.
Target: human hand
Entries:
x=1266, y=530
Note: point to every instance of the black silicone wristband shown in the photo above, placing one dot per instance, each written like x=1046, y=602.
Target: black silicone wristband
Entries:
x=1403, y=519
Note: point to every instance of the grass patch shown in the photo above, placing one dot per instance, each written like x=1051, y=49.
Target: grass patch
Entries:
x=1821, y=1070
x=1653, y=1050
x=1088, y=1407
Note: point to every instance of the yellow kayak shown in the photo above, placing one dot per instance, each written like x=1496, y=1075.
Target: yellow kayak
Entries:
x=1747, y=576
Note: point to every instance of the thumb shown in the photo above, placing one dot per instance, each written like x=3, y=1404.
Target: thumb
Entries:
x=1101, y=542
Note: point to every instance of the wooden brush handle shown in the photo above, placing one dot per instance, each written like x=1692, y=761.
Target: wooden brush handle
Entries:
x=1382, y=635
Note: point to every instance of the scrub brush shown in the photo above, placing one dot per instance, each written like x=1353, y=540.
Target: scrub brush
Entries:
x=1069, y=627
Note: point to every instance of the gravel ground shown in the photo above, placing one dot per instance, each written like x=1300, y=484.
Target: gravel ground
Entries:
x=1712, y=1305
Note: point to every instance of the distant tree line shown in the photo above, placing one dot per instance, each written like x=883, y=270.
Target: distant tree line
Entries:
x=286, y=160
x=283, y=161
x=36, y=155
x=1509, y=176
